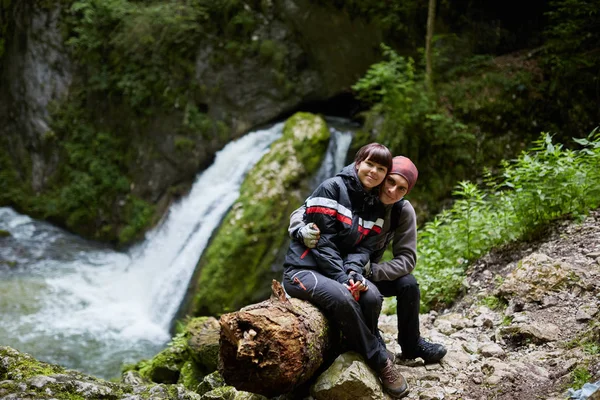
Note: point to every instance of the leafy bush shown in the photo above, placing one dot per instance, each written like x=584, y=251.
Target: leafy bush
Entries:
x=572, y=61
x=580, y=376
x=544, y=184
x=150, y=52
x=91, y=190
x=405, y=116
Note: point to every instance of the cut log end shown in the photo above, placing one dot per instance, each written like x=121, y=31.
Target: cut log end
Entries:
x=274, y=346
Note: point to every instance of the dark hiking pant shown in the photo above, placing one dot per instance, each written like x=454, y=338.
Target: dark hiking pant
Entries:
x=357, y=320
x=408, y=296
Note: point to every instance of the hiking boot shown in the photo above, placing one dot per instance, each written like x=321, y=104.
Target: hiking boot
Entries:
x=392, y=380
x=429, y=352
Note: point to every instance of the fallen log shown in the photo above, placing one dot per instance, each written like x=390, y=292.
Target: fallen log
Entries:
x=274, y=346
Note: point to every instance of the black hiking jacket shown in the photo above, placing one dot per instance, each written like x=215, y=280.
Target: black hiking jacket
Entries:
x=349, y=218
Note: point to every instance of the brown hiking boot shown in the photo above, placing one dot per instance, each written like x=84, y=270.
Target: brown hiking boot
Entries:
x=393, y=382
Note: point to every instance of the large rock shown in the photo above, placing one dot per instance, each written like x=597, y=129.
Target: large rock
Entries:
x=536, y=276
x=237, y=267
x=189, y=357
x=348, y=378
x=23, y=377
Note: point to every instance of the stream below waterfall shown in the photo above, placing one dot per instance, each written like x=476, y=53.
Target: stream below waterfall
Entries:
x=85, y=306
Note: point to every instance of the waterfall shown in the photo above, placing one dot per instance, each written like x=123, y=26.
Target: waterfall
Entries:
x=85, y=306
x=335, y=157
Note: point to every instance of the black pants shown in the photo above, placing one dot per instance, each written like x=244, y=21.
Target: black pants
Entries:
x=357, y=320
x=408, y=296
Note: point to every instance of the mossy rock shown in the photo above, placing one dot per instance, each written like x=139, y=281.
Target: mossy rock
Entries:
x=4, y=233
x=203, y=342
x=210, y=383
x=166, y=366
x=20, y=366
x=24, y=377
x=188, y=358
x=236, y=268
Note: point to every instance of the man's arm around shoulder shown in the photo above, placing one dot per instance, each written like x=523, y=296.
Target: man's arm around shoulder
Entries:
x=404, y=248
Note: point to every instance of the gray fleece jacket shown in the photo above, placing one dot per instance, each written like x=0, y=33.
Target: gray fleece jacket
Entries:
x=403, y=238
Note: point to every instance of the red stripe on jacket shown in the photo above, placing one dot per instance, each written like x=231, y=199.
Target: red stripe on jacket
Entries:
x=329, y=211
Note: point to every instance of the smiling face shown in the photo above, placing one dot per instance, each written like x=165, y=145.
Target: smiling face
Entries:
x=370, y=173
x=394, y=188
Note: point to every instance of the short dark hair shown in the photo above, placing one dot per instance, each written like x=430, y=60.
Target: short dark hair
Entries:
x=375, y=152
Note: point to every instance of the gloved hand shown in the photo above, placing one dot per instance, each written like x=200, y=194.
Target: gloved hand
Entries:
x=356, y=278
x=356, y=284
x=309, y=234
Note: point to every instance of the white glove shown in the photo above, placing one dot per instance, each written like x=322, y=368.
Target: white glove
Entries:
x=309, y=234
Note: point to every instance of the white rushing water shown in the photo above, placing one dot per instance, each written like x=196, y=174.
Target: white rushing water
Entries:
x=335, y=156
x=85, y=306
x=74, y=302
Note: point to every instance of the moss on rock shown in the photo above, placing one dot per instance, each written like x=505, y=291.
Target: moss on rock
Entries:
x=20, y=366
x=236, y=267
x=189, y=356
x=165, y=367
x=203, y=342
x=24, y=377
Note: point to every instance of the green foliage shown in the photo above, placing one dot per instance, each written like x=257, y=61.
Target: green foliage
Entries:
x=91, y=191
x=494, y=96
x=404, y=21
x=572, y=60
x=405, y=116
x=493, y=303
x=149, y=56
x=542, y=185
x=13, y=188
x=390, y=306
x=144, y=53
x=580, y=376
x=183, y=144
x=137, y=216
x=591, y=348
x=573, y=30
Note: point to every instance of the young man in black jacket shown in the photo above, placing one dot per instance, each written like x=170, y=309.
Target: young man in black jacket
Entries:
x=394, y=277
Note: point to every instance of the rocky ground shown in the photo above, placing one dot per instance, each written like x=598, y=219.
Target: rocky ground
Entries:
x=528, y=323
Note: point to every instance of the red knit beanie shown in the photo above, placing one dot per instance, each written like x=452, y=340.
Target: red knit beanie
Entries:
x=405, y=168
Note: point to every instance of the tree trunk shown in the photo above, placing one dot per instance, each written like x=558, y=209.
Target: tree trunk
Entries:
x=274, y=346
x=428, y=40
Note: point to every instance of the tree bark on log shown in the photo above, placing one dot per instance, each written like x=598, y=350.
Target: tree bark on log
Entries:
x=274, y=346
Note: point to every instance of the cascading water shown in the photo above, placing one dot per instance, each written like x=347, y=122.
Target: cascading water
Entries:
x=335, y=156
x=72, y=302
x=83, y=305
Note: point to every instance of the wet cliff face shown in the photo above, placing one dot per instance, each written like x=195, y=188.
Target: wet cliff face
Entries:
x=35, y=71
x=294, y=52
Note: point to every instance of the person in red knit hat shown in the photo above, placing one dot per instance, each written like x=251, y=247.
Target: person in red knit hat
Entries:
x=394, y=277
